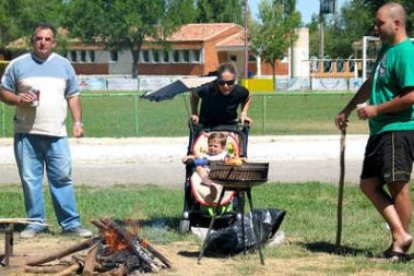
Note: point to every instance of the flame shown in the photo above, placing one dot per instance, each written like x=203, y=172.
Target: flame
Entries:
x=113, y=241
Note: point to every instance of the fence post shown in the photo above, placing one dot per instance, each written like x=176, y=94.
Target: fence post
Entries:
x=3, y=120
x=136, y=119
x=264, y=112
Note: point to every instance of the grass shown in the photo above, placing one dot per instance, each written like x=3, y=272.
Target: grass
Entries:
x=310, y=223
x=116, y=116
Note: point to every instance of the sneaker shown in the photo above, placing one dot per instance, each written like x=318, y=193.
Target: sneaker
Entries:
x=29, y=233
x=78, y=231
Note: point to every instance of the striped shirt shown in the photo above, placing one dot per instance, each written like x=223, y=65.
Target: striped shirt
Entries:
x=56, y=81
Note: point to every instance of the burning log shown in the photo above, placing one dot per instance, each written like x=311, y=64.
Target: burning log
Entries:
x=116, y=251
x=78, y=247
x=70, y=270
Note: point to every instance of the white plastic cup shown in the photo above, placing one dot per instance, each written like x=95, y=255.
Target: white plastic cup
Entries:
x=361, y=105
x=36, y=93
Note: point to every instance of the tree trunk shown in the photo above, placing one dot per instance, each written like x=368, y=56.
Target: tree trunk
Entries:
x=135, y=58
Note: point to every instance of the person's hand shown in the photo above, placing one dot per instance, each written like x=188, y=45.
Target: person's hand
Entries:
x=77, y=130
x=26, y=98
x=194, y=119
x=366, y=112
x=245, y=118
x=341, y=121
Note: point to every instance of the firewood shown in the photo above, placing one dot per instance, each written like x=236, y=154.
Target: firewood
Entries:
x=132, y=247
x=42, y=269
x=70, y=270
x=122, y=270
x=90, y=261
x=155, y=252
x=75, y=248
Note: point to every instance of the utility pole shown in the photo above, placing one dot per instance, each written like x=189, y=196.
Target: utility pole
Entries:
x=321, y=30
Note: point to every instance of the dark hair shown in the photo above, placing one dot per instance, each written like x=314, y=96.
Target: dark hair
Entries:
x=219, y=137
x=226, y=67
x=42, y=26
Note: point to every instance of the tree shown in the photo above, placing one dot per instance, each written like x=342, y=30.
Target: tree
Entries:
x=272, y=37
x=229, y=11
x=17, y=17
x=124, y=24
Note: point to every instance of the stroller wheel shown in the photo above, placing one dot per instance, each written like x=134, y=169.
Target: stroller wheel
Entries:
x=184, y=226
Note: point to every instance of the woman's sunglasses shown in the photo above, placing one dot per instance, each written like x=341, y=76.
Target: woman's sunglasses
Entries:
x=223, y=82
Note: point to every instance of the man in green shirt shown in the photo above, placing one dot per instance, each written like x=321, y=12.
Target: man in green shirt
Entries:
x=389, y=153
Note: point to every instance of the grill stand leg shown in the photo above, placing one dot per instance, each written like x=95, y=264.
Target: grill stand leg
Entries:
x=203, y=247
x=8, y=245
x=257, y=236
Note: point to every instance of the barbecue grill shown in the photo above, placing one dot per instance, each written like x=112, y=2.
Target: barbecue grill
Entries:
x=240, y=179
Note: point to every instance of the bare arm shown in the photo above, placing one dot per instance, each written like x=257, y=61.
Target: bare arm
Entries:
x=10, y=98
x=362, y=95
x=245, y=108
x=397, y=104
x=194, y=100
x=76, y=110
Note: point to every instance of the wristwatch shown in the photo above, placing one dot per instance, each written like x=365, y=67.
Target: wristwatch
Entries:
x=78, y=124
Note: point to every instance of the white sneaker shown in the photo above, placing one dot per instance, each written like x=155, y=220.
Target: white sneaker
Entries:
x=78, y=231
x=29, y=233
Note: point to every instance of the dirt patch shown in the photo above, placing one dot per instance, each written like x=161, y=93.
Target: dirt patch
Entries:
x=183, y=256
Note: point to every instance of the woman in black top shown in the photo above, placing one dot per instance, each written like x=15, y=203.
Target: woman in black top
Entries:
x=220, y=100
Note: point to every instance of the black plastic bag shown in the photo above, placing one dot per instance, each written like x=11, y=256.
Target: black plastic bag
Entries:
x=229, y=241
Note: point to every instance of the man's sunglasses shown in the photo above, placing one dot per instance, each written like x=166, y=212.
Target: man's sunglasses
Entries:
x=223, y=82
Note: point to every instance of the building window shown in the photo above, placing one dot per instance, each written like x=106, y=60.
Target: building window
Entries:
x=196, y=55
x=113, y=56
x=83, y=56
x=165, y=56
x=186, y=55
x=92, y=56
x=176, y=56
x=73, y=56
x=252, y=58
x=155, y=56
x=233, y=58
x=145, y=56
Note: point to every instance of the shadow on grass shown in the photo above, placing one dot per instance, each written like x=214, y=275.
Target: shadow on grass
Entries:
x=326, y=247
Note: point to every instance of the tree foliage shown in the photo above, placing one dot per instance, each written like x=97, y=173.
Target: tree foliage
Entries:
x=355, y=20
x=123, y=24
x=17, y=17
x=275, y=33
x=229, y=11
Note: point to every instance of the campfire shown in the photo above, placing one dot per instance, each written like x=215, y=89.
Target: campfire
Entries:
x=118, y=250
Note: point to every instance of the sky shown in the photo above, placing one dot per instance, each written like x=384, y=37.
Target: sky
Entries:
x=305, y=7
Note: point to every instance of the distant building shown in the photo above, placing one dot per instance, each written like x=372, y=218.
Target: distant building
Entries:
x=194, y=49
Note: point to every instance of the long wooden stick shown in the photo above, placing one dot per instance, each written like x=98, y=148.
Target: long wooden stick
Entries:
x=340, y=190
x=75, y=248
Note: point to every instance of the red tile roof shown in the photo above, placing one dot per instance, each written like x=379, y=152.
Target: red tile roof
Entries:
x=201, y=32
x=236, y=40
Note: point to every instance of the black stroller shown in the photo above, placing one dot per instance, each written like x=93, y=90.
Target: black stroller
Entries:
x=196, y=211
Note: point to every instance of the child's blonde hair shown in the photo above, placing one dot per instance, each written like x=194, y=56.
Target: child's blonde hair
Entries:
x=217, y=137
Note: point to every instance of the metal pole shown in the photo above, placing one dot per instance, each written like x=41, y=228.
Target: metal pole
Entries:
x=3, y=120
x=246, y=43
x=321, y=32
x=136, y=119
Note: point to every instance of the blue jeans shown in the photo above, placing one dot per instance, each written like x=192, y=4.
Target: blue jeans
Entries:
x=33, y=154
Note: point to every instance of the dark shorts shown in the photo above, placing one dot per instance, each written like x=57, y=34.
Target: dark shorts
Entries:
x=389, y=157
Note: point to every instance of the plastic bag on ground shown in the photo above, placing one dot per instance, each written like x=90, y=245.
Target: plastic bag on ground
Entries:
x=229, y=240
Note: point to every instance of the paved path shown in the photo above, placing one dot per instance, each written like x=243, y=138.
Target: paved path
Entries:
x=107, y=161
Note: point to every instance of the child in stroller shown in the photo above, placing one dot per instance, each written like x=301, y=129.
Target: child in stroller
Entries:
x=220, y=143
